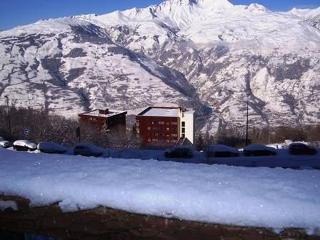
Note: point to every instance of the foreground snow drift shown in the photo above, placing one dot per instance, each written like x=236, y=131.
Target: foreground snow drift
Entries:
x=263, y=197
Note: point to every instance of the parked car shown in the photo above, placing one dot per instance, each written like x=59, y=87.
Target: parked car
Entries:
x=179, y=152
x=51, y=147
x=5, y=144
x=301, y=149
x=24, y=145
x=88, y=150
x=259, y=150
x=220, y=150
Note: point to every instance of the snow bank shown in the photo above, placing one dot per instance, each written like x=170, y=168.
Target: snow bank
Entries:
x=275, y=198
x=4, y=144
x=259, y=147
x=25, y=143
x=51, y=147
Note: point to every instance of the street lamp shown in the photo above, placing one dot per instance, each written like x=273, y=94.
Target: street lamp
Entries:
x=8, y=115
x=247, y=122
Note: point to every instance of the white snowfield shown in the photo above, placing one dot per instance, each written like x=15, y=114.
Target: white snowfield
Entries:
x=274, y=198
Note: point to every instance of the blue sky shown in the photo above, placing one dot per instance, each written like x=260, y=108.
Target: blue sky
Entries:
x=20, y=12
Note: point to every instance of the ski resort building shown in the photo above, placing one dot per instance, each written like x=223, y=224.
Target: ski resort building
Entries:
x=103, y=118
x=165, y=125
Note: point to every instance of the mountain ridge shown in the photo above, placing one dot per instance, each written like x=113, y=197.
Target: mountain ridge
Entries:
x=210, y=60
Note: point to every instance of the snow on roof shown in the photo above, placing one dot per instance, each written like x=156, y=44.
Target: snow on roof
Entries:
x=161, y=112
x=98, y=113
x=275, y=198
x=167, y=105
x=8, y=204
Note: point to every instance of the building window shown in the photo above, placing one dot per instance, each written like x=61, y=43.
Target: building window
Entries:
x=149, y=139
x=161, y=123
x=174, y=123
x=149, y=128
x=174, y=135
x=183, y=136
x=183, y=130
x=168, y=129
x=183, y=124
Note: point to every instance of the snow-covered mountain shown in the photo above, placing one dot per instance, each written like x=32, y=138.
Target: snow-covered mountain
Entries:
x=206, y=54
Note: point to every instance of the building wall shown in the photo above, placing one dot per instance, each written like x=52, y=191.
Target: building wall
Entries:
x=116, y=120
x=158, y=131
x=100, y=122
x=94, y=121
x=187, y=130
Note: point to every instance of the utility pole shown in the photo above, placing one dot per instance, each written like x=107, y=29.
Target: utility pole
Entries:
x=78, y=134
x=8, y=115
x=247, y=123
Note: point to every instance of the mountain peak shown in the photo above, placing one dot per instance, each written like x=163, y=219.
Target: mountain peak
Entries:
x=203, y=3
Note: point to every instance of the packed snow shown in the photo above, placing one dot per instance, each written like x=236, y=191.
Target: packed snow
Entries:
x=25, y=143
x=4, y=205
x=164, y=112
x=275, y=198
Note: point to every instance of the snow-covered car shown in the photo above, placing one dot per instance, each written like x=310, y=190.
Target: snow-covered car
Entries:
x=179, y=152
x=88, y=150
x=24, y=145
x=301, y=149
x=5, y=144
x=51, y=147
x=259, y=150
x=220, y=150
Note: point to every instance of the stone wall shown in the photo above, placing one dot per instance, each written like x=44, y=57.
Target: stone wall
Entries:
x=106, y=223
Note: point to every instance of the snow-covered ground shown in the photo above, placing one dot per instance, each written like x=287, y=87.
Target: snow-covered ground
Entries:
x=276, y=198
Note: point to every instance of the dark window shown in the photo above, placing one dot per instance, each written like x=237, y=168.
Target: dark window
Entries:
x=183, y=124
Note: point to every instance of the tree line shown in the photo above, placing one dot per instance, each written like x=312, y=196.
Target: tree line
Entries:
x=39, y=125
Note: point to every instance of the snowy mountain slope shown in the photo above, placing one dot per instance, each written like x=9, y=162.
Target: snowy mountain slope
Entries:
x=69, y=64
x=209, y=54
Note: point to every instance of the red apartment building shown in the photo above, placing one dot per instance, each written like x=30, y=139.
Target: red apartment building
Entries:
x=165, y=126
x=103, y=118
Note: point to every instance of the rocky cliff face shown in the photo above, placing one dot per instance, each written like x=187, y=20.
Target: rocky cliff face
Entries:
x=206, y=54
